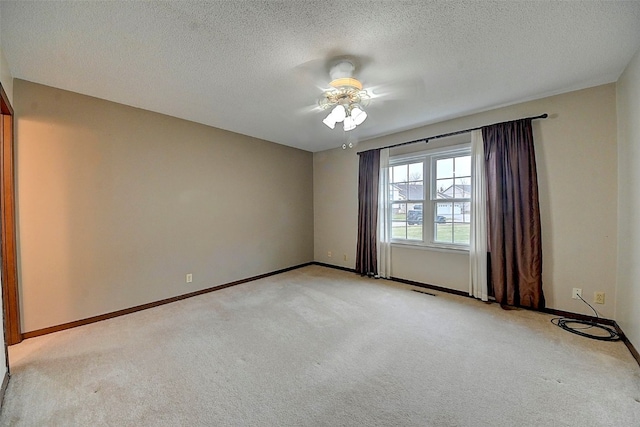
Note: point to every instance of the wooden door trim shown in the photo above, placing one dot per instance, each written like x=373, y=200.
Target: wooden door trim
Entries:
x=13, y=334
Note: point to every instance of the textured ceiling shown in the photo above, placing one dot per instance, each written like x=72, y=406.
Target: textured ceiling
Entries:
x=257, y=67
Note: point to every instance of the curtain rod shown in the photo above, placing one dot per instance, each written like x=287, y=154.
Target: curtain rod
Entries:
x=458, y=132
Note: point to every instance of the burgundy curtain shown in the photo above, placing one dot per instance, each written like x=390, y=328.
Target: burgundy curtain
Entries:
x=366, y=251
x=513, y=212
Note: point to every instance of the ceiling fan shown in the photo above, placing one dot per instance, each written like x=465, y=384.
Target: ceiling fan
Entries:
x=345, y=96
x=346, y=99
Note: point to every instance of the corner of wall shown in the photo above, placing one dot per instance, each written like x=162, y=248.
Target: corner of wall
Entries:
x=628, y=133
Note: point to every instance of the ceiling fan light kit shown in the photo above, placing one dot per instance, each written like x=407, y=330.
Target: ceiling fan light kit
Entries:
x=338, y=114
x=358, y=114
x=346, y=98
x=349, y=123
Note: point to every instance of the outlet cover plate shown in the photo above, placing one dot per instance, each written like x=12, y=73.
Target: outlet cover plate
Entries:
x=598, y=297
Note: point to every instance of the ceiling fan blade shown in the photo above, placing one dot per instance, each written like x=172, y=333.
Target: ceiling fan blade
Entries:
x=316, y=72
x=312, y=73
x=405, y=89
x=308, y=109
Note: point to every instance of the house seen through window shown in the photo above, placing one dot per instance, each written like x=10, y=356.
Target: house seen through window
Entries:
x=430, y=198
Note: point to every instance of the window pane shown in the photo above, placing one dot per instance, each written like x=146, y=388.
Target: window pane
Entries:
x=443, y=227
x=414, y=221
x=444, y=210
x=462, y=188
x=415, y=191
x=462, y=183
x=444, y=189
x=399, y=211
x=463, y=166
x=414, y=214
x=461, y=233
x=444, y=232
x=444, y=168
x=463, y=212
x=407, y=183
x=399, y=221
x=399, y=191
x=415, y=171
x=399, y=173
x=414, y=232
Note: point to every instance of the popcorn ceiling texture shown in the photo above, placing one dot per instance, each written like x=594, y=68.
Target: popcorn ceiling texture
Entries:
x=243, y=65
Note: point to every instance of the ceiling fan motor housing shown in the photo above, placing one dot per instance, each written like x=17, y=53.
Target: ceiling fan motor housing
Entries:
x=347, y=90
x=342, y=69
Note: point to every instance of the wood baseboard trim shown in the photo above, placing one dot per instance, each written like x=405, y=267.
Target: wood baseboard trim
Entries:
x=3, y=388
x=553, y=311
x=429, y=286
x=399, y=280
x=576, y=316
x=626, y=342
x=93, y=319
x=335, y=267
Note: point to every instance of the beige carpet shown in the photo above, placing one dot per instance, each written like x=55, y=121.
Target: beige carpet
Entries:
x=321, y=347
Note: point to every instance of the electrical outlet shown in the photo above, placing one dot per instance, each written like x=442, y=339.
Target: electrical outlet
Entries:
x=598, y=297
x=189, y=278
x=576, y=293
x=344, y=257
x=329, y=254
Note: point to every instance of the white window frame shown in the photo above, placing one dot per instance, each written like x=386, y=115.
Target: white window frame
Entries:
x=428, y=159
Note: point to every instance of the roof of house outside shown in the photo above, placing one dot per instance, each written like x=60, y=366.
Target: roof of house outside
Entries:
x=411, y=191
x=458, y=191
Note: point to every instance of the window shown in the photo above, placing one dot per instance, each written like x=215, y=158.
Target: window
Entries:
x=430, y=198
x=406, y=183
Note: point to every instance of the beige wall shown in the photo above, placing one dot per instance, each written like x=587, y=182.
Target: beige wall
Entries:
x=577, y=162
x=628, y=291
x=116, y=205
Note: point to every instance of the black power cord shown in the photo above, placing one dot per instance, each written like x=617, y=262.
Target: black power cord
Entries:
x=567, y=324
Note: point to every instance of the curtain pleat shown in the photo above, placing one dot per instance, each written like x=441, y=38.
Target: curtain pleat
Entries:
x=366, y=250
x=478, y=238
x=384, y=233
x=514, y=232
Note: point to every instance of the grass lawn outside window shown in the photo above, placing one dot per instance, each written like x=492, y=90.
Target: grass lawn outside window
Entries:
x=444, y=232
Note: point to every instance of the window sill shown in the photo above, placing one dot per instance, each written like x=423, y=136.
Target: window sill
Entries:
x=423, y=247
